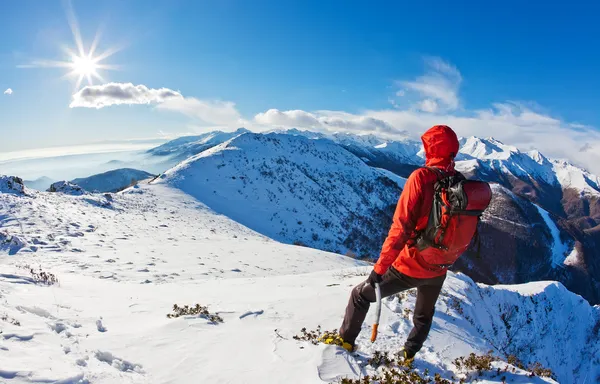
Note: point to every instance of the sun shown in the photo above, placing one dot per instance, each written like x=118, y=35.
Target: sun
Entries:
x=83, y=64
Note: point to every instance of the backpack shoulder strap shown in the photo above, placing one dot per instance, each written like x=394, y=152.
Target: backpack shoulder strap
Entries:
x=440, y=174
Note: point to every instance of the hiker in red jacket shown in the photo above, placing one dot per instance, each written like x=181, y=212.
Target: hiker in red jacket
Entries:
x=399, y=266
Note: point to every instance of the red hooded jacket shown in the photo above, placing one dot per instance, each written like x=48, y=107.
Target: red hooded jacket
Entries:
x=412, y=212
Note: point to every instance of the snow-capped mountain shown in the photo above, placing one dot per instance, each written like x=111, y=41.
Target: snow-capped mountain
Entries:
x=332, y=192
x=293, y=189
x=490, y=155
x=112, y=181
x=186, y=146
x=123, y=260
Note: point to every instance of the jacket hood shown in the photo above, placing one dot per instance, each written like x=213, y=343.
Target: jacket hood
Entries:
x=441, y=146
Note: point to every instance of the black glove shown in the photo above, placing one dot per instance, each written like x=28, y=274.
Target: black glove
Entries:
x=374, y=277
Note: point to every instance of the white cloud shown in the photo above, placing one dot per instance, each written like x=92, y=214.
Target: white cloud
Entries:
x=220, y=113
x=328, y=121
x=100, y=96
x=510, y=122
x=436, y=90
x=8, y=92
x=428, y=105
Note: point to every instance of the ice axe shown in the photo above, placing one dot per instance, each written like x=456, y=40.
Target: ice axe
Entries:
x=377, y=312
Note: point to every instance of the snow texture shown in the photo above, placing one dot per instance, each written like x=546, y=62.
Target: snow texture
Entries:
x=293, y=189
x=67, y=188
x=122, y=265
x=559, y=249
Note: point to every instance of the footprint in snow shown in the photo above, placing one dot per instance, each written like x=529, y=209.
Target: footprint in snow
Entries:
x=100, y=326
x=252, y=313
x=117, y=363
x=9, y=336
x=57, y=327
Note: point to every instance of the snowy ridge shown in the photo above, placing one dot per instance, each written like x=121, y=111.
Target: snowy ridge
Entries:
x=192, y=145
x=111, y=181
x=293, y=189
x=485, y=154
x=493, y=155
x=124, y=260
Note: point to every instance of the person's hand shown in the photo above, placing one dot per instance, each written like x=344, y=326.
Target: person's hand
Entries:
x=374, y=277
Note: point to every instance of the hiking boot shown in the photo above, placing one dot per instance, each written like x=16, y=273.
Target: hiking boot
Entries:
x=408, y=356
x=337, y=340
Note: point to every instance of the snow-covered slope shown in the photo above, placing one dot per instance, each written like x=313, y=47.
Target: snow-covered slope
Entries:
x=123, y=260
x=293, y=189
x=112, y=181
x=400, y=157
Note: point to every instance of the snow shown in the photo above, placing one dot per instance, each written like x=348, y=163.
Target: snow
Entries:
x=571, y=259
x=11, y=184
x=192, y=145
x=123, y=262
x=571, y=176
x=401, y=181
x=494, y=155
x=66, y=187
x=292, y=189
x=487, y=154
x=559, y=249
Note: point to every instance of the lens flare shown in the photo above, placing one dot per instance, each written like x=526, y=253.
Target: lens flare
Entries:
x=82, y=64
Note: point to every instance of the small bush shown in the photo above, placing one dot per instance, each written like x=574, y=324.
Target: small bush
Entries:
x=538, y=370
x=482, y=363
x=197, y=310
x=456, y=305
x=318, y=335
x=41, y=277
x=473, y=362
x=11, y=320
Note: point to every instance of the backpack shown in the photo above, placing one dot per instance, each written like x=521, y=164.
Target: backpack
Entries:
x=457, y=207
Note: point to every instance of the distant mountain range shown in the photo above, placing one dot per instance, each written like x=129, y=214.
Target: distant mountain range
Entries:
x=39, y=184
x=337, y=193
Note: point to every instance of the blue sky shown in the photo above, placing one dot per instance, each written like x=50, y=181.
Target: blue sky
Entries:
x=511, y=69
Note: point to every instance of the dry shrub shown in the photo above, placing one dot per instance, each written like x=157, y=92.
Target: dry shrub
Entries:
x=197, y=310
x=41, y=277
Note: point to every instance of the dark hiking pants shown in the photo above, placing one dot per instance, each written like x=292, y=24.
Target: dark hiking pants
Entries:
x=394, y=282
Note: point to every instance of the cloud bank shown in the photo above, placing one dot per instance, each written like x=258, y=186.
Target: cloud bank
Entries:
x=219, y=113
x=8, y=92
x=435, y=99
x=328, y=121
x=429, y=99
